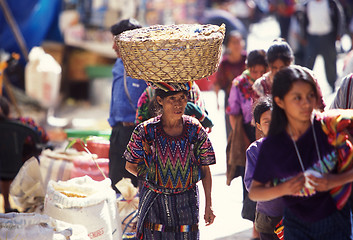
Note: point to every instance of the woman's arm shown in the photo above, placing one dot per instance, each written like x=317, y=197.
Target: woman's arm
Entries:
x=131, y=167
x=329, y=181
x=263, y=192
x=207, y=186
x=250, y=164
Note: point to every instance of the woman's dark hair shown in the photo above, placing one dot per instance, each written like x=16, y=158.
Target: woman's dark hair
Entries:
x=4, y=108
x=163, y=94
x=232, y=34
x=280, y=49
x=282, y=84
x=262, y=105
x=124, y=25
x=154, y=109
x=256, y=57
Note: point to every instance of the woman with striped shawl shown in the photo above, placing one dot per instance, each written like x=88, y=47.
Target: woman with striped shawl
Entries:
x=307, y=160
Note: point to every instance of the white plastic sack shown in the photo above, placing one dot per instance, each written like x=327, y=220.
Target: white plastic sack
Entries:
x=29, y=226
x=27, y=188
x=87, y=202
x=128, y=203
x=42, y=77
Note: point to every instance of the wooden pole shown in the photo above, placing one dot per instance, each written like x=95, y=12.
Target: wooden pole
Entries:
x=12, y=98
x=14, y=27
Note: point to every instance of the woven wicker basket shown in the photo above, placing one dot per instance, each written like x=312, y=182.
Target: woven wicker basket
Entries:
x=171, y=53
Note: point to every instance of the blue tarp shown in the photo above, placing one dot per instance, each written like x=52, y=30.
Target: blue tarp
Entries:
x=37, y=21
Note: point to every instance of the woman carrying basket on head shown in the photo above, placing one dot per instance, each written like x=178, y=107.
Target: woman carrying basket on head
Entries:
x=170, y=153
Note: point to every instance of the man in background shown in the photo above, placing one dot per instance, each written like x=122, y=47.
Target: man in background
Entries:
x=323, y=21
x=125, y=94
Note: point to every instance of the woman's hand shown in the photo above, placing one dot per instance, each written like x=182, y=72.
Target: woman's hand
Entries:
x=329, y=180
x=131, y=168
x=209, y=129
x=207, y=186
x=209, y=216
x=321, y=184
x=293, y=185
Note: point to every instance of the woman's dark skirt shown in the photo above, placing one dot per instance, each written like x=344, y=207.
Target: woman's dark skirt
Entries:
x=337, y=226
x=168, y=216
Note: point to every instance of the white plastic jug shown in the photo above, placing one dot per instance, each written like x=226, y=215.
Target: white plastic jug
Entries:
x=42, y=77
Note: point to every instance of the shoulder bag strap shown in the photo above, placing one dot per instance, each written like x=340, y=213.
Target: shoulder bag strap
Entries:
x=127, y=92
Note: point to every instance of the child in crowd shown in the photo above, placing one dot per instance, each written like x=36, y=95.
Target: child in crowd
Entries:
x=231, y=66
x=279, y=55
x=240, y=109
x=268, y=213
x=307, y=160
x=240, y=115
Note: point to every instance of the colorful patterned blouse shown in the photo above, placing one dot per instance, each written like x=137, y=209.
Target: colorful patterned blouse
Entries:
x=167, y=161
x=241, y=97
x=40, y=131
x=263, y=85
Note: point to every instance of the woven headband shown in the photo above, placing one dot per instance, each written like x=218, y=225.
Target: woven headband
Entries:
x=171, y=86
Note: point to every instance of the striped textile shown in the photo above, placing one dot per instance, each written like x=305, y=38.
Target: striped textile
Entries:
x=334, y=124
x=336, y=226
x=172, y=216
x=171, y=86
x=279, y=230
x=175, y=229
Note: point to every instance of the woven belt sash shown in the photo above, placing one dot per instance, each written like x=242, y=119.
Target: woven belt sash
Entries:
x=166, y=191
x=163, y=228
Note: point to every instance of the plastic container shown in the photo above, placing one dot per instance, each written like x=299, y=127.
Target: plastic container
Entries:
x=100, y=84
x=82, y=168
x=42, y=77
x=78, y=133
x=96, y=145
x=101, y=148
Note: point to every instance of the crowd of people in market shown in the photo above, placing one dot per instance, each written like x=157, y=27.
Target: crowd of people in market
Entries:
x=292, y=150
x=258, y=85
x=270, y=101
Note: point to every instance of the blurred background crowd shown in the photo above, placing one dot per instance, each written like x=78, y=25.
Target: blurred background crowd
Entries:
x=77, y=34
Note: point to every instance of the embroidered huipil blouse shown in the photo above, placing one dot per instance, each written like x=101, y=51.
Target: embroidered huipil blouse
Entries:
x=241, y=96
x=170, y=162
